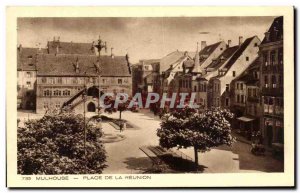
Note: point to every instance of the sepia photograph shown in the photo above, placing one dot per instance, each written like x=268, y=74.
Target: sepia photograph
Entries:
x=136, y=96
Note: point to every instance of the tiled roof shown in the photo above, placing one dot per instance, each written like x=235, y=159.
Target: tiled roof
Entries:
x=64, y=65
x=276, y=31
x=70, y=48
x=207, y=51
x=26, y=58
x=223, y=57
x=171, y=59
x=239, y=52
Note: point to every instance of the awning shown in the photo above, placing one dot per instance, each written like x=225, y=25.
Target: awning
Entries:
x=245, y=119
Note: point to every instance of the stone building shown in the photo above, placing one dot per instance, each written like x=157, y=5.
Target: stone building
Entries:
x=61, y=79
x=236, y=65
x=56, y=76
x=271, y=60
x=26, y=77
x=246, y=100
x=145, y=76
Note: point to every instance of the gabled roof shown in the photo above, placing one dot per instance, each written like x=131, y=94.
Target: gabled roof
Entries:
x=275, y=30
x=239, y=52
x=26, y=58
x=64, y=65
x=223, y=57
x=70, y=48
x=207, y=51
x=171, y=59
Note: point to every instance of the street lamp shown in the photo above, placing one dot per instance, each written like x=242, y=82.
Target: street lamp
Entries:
x=101, y=45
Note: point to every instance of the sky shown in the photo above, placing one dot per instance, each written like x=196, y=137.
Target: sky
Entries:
x=142, y=38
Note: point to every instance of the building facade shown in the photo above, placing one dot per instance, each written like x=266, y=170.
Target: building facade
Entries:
x=271, y=59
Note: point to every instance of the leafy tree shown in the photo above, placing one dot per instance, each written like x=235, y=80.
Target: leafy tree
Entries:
x=54, y=144
x=186, y=127
x=121, y=107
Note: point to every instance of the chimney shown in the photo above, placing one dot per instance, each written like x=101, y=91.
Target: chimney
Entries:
x=203, y=44
x=229, y=44
x=267, y=36
x=20, y=48
x=58, y=39
x=112, y=54
x=240, y=40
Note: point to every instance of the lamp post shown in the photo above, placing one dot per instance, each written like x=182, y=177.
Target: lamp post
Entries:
x=101, y=45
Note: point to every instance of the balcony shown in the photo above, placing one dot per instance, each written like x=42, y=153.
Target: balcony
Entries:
x=272, y=91
x=272, y=69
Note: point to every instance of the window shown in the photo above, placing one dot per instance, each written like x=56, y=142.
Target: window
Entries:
x=227, y=102
x=59, y=80
x=221, y=49
x=272, y=58
x=146, y=67
x=57, y=93
x=265, y=59
x=227, y=87
x=255, y=45
x=247, y=58
x=204, y=87
x=266, y=81
x=237, y=86
x=66, y=93
x=47, y=93
x=57, y=104
x=242, y=86
x=104, y=81
x=218, y=87
x=242, y=99
x=28, y=84
x=254, y=92
x=249, y=92
x=28, y=74
x=238, y=98
x=233, y=73
x=195, y=88
x=119, y=81
x=44, y=80
x=180, y=83
x=46, y=105
x=273, y=81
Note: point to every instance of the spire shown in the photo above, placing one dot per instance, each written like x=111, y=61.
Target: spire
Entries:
x=197, y=59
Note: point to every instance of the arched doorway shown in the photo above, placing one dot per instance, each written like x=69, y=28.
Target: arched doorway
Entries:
x=91, y=107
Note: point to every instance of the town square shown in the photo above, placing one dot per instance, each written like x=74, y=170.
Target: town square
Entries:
x=183, y=96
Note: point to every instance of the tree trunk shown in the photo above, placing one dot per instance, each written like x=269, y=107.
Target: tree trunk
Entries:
x=120, y=115
x=196, y=156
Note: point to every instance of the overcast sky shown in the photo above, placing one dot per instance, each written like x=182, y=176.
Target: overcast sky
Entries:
x=142, y=38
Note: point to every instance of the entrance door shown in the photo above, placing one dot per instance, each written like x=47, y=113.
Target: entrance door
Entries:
x=91, y=107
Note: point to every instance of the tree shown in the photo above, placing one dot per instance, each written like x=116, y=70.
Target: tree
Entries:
x=54, y=144
x=183, y=128
x=123, y=106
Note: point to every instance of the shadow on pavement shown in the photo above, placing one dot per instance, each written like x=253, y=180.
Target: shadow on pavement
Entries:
x=248, y=161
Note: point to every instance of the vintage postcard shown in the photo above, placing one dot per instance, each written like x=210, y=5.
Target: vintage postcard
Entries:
x=150, y=97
